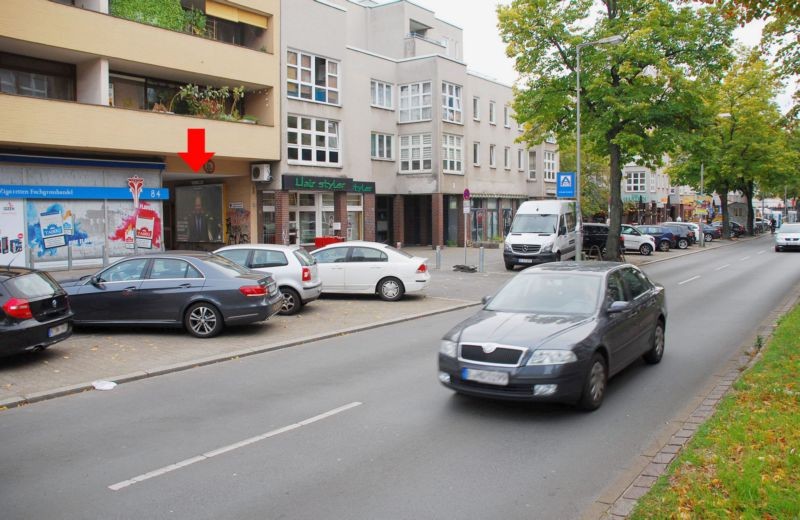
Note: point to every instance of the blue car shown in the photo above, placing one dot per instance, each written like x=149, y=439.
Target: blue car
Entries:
x=665, y=238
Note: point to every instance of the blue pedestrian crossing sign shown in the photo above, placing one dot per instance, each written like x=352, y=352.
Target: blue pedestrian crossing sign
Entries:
x=565, y=185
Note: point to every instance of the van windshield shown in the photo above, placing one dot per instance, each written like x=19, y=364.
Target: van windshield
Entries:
x=534, y=223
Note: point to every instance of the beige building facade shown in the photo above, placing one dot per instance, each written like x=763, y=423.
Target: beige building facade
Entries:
x=384, y=128
x=91, y=98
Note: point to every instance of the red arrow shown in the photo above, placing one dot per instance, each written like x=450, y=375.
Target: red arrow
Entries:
x=196, y=156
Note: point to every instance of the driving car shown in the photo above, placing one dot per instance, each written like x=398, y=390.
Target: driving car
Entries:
x=637, y=241
x=34, y=311
x=294, y=270
x=199, y=291
x=663, y=236
x=557, y=332
x=787, y=237
x=360, y=267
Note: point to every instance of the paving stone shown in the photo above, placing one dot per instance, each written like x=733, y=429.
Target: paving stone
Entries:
x=623, y=507
x=645, y=481
x=636, y=492
x=664, y=458
x=684, y=433
x=654, y=469
x=671, y=448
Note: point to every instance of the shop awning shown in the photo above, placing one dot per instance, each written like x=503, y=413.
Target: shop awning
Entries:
x=234, y=14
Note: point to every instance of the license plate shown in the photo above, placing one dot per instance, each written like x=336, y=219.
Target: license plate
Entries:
x=488, y=377
x=58, y=330
x=526, y=260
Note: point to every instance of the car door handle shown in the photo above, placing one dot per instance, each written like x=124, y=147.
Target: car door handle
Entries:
x=128, y=291
x=185, y=285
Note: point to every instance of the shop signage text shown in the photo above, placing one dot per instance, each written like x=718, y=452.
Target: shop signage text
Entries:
x=307, y=183
x=78, y=193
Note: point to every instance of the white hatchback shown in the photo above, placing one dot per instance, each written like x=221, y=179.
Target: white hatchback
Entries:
x=292, y=268
x=370, y=268
x=636, y=241
x=787, y=237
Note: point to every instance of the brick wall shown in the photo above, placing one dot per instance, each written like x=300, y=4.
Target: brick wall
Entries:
x=369, y=217
x=340, y=212
x=437, y=219
x=282, y=217
x=398, y=218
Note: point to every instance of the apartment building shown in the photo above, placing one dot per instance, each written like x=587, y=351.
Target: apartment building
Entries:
x=384, y=128
x=648, y=191
x=96, y=105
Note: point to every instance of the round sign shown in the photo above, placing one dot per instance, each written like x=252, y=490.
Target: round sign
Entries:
x=466, y=194
x=209, y=166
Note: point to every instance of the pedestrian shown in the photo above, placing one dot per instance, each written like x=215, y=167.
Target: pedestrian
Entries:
x=772, y=224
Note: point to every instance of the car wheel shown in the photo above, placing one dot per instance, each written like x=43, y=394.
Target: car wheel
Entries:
x=594, y=388
x=656, y=352
x=663, y=246
x=708, y=237
x=777, y=249
x=203, y=320
x=390, y=289
x=291, y=302
x=683, y=243
x=509, y=267
x=645, y=249
x=558, y=256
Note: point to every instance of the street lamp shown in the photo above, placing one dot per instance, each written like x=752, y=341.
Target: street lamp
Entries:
x=611, y=40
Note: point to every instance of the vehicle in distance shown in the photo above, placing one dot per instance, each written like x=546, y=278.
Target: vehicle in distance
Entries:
x=664, y=237
x=358, y=267
x=787, y=237
x=637, y=241
x=595, y=237
x=557, y=332
x=684, y=236
x=542, y=231
x=34, y=311
x=294, y=270
x=199, y=291
x=735, y=228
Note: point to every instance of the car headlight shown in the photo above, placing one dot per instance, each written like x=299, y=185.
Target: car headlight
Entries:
x=507, y=247
x=546, y=248
x=448, y=348
x=552, y=357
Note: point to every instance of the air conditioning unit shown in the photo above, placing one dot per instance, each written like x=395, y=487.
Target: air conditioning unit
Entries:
x=261, y=172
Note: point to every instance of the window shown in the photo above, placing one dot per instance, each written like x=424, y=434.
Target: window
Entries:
x=549, y=166
x=237, y=256
x=330, y=256
x=313, y=141
x=634, y=181
x=125, y=271
x=171, y=269
x=264, y=258
x=532, y=165
x=507, y=158
x=367, y=254
x=382, y=146
x=224, y=31
x=312, y=78
x=415, y=153
x=476, y=153
x=520, y=160
x=451, y=102
x=635, y=283
x=492, y=115
x=506, y=120
x=415, y=102
x=492, y=159
x=39, y=78
x=381, y=94
x=652, y=182
x=476, y=109
x=451, y=153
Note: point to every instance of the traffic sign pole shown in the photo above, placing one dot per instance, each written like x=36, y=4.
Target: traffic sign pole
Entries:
x=467, y=210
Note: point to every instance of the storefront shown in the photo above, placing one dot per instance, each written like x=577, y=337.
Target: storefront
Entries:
x=63, y=212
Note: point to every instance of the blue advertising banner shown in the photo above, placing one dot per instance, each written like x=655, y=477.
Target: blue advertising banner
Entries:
x=79, y=193
x=565, y=185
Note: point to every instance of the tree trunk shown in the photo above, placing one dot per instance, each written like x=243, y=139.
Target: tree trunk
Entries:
x=726, y=223
x=615, y=218
x=749, y=188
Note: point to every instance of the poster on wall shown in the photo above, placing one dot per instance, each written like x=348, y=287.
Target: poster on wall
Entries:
x=12, y=250
x=52, y=225
x=144, y=231
x=198, y=213
x=127, y=231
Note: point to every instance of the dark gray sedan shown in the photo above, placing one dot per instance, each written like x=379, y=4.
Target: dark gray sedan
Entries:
x=202, y=292
x=557, y=332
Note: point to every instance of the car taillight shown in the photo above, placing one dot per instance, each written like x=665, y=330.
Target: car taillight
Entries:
x=18, y=308
x=422, y=268
x=306, y=274
x=253, y=290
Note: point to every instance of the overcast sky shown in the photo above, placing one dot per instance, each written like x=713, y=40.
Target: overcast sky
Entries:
x=484, y=51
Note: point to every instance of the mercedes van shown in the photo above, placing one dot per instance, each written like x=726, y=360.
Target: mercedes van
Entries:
x=542, y=231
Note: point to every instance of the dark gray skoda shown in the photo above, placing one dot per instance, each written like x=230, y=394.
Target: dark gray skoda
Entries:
x=557, y=332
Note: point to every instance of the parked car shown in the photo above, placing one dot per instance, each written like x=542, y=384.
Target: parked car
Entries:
x=684, y=236
x=34, y=311
x=595, y=237
x=294, y=270
x=787, y=237
x=636, y=241
x=710, y=233
x=736, y=229
x=199, y=291
x=369, y=268
x=556, y=332
x=542, y=231
x=664, y=237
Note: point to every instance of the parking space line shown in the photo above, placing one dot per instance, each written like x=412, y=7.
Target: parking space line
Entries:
x=230, y=447
x=689, y=280
x=720, y=268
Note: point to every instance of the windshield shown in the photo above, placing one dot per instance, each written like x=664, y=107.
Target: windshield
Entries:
x=303, y=257
x=535, y=223
x=33, y=285
x=549, y=293
x=790, y=228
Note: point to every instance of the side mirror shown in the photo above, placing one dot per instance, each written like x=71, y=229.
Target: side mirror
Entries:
x=617, y=307
x=94, y=280
x=562, y=230
x=486, y=299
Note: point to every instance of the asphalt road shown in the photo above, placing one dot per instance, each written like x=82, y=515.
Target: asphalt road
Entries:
x=357, y=427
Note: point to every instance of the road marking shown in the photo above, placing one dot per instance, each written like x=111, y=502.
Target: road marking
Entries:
x=745, y=258
x=761, y=252
x=689, y=280
x=722, y=267
x=230, y=447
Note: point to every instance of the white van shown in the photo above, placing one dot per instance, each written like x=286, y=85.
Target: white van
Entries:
x=542, y=231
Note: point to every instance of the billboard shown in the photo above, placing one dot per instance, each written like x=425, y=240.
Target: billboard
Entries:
x=199, y=213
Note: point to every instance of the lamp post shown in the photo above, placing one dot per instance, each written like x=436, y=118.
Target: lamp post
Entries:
x=611, y=40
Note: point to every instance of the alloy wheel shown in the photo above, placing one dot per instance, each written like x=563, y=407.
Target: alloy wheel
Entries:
x=203, y=320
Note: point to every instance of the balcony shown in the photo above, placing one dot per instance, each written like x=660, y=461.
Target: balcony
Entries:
x=63, y=125
x=80, y=34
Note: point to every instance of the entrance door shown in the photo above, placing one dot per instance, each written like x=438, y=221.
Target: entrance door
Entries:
x=417, y=212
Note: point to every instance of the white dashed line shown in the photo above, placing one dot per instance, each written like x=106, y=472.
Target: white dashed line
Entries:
x=230, y=447
x=720, y=268
x=761, y=252
x=745, y=258
x=689, y=280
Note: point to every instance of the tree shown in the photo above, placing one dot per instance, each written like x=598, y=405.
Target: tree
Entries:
x=594, y=180
x=637, y=99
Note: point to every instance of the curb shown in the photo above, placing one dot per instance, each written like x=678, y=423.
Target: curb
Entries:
x=18, y=401
x=702, y=250
x=746, y=356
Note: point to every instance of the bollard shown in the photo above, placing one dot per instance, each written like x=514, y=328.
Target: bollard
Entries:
x=481, y=267
x=399, y=245
x=438, y=257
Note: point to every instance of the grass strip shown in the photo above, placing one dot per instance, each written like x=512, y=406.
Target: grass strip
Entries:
x=744, y=462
